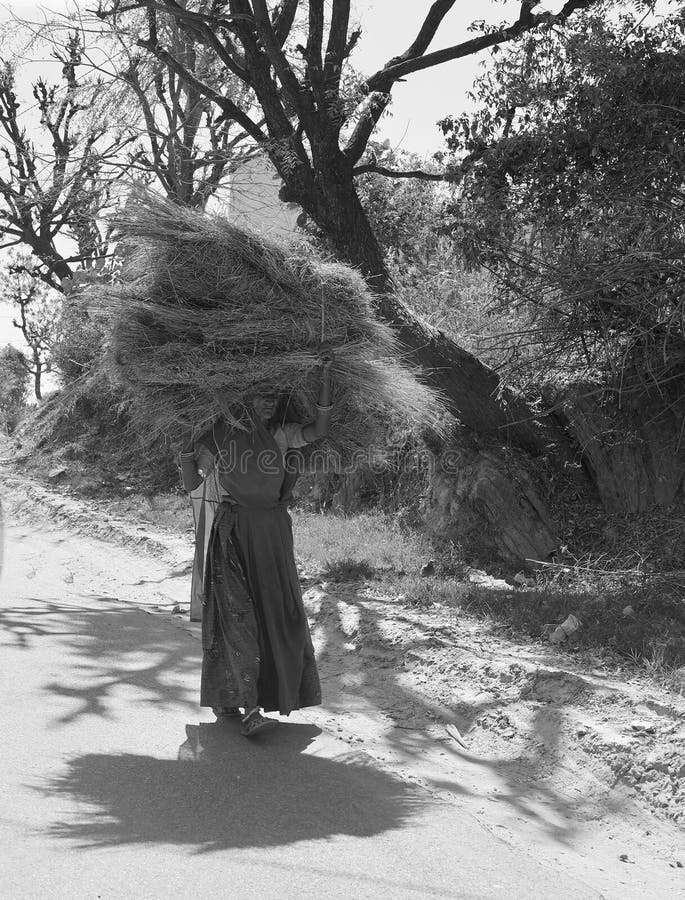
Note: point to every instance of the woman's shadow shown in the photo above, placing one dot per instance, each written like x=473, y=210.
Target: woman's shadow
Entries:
x=226, y=791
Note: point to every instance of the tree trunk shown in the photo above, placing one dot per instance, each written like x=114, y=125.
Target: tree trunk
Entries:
x=473, y=392
x=480, y=503
x=634, y=453
x=58, y=268
x=37, y=373
x=485, y=501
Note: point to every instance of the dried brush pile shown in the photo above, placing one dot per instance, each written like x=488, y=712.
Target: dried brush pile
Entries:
x=207, y=315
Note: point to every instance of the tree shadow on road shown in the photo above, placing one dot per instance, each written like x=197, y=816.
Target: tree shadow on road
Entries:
x=106, y=647
x=223, y=790
x=226, y=792
x=523, y=779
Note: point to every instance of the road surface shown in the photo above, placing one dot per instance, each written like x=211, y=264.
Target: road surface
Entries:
x=117, y=785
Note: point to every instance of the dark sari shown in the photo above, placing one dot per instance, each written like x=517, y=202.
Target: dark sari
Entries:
x=257, y=649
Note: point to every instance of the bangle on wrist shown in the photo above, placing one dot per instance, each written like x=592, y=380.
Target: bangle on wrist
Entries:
x=324, y=408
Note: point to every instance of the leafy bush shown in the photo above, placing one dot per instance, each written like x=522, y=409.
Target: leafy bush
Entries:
x=572, y=198
x=14, y=384
x=79, y=343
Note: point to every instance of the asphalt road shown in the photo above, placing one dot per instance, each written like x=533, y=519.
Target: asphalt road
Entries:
x=116, y=784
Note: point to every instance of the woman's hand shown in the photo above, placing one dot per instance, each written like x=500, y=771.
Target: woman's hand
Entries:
x=326, y=359
x=320, y=426
x=187, y=443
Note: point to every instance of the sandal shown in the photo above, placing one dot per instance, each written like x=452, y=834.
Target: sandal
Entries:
x=226, y=712
x=254, y=723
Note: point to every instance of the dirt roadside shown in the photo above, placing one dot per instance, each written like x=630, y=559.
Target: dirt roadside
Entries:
x=535, y=741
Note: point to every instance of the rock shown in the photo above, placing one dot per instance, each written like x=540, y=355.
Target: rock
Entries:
x=658, y=760
x=181, y=571
x=523, y=580
x=679, y=676
x=56, y=473
x=628, y=611
x=568, y=627
x=643, y=727
x=482, y=579
x=314, y=594
x=481, y=500
x=455, y=734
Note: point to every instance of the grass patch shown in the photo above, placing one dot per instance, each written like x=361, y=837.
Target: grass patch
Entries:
x=653, y=630
x=424, y=592
x=168, y=512
x=372, y=546
x=328, y=542
x=348, y=569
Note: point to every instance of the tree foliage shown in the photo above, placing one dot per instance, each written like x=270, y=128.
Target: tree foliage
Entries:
x=14, y=382
x=406, y=214
x=573, y=195
x=176, y=136
x=36, y=308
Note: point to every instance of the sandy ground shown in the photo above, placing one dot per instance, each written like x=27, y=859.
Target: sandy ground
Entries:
x=552, y=754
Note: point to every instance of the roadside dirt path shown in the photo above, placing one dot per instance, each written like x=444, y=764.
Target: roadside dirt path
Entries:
x=550, y=754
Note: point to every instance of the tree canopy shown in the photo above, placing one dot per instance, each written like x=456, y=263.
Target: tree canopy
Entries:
x=572, y=195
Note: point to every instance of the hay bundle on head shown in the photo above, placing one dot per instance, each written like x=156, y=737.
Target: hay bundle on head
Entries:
x=209, y=315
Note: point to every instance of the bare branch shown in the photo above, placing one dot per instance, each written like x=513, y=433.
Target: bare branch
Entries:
x=336, y=49
x=394, y=70
x=300, y=101
x=283, y=20
x=228, y=107
x=431, y=23
x=380, y=84
x=164, y=5
x=200, y=23
x=373, y=168
x=376, y=105
x=312, y=52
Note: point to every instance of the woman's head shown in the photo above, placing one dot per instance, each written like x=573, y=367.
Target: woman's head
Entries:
x=265, y=404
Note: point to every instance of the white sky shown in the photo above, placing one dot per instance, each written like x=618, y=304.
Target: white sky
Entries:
x=388, y=29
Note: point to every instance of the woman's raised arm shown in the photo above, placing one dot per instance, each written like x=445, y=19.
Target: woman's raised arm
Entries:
x=319, y=427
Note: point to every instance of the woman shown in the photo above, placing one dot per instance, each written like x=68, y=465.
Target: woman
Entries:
x=257, y=650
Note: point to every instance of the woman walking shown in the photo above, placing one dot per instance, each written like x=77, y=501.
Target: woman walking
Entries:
x=257, y=649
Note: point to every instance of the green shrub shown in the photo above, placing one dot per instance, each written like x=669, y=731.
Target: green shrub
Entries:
x=14, y=384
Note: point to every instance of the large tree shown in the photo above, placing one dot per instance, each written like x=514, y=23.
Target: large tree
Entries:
x=52, y=176
x=292, y=58
x=178, y=138
x=113, y=115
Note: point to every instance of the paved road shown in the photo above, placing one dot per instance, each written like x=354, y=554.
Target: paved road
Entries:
x=116, y=785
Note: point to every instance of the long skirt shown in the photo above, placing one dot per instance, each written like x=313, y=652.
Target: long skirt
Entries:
x=257, y=648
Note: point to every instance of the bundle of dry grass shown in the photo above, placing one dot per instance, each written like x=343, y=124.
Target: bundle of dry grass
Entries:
x=208, y=315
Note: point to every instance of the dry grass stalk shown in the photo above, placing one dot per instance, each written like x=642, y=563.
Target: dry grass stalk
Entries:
x=207, y=315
